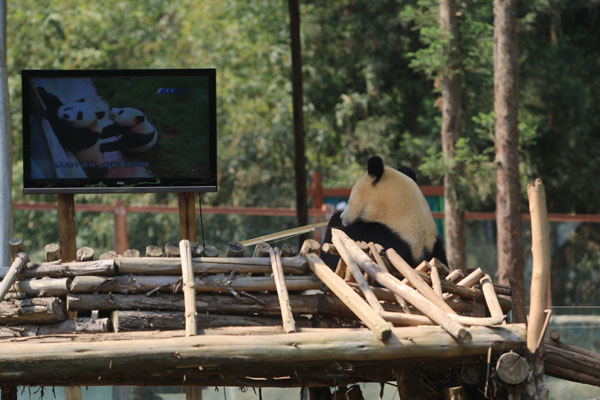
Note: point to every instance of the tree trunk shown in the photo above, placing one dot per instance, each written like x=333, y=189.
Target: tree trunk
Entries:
x=508, y=197
x=450, y=86
x=5, y=147
x=297, y=99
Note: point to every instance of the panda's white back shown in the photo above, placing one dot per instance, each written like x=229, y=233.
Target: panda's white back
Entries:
x=397, y=202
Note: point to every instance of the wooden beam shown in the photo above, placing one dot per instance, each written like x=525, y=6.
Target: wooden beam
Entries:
x=410, y=295
x=540, y=269
x=83, y=359
x=490, y=297
x=282, y=293
x=187, y=216
x=66, y=226
x=210, y=265
x=210, y=283
x=189, y=294
x=358, y=275
x=346, y=294
x=11, y=276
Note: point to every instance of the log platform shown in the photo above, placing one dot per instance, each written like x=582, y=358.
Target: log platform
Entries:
x=268, y=318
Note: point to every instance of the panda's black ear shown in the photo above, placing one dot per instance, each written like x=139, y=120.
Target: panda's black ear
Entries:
x=100, y=114
x=140, y=118
x=81, y=100
x=375, y=168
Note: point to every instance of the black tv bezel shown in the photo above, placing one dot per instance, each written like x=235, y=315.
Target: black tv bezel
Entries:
x=116, y=185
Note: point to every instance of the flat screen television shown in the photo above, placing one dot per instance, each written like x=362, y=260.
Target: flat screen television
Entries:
x=119, y=131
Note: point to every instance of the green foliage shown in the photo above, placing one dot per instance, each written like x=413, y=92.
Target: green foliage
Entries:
x=368, y=88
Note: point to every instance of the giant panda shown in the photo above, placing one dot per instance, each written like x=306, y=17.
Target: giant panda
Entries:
x=85, y=121
x=387, y=207
x=139, y=135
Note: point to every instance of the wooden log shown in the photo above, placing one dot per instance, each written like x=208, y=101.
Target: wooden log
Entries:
x=262, y=250
x=419, y=284
x=66, y=227
x=555, y=370
x=260, y=304
x=235, y=249
x=455, y=393
x=288, y=250
x=79, y=325
x=540, y=269
x=187, y=216
x=412, y=296
x=436, y=283
x=52, y=252
x=9, y=392
x=415, y=319
x=571, y=357
x=172, y=249
x=16, y=246
x=454, y=275
x=15, y=295
x=193, y=392
x=67, y=270
x=175, y=320
x=197, y=249
x=376, y=253
x=210, y=251
x=423, y=267
x=210, y=265
x=36, y=310
x=358, y=275
x=20, y=260
x=337, y=285
x=131, y=253
x=471, y=279
x=468, y=293
x=287, y=317
x=73, y=393
x=85, y=254
x=153, y=251
x=310, y=246
x=109, y=255
x=490, y=297
x=329, y=248
x=442, y=268
x=45, y=287
x=512, y=368
x=59, y=360
x=189, y=293
x=211, y=283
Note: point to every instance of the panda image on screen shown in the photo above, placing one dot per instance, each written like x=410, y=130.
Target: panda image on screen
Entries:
x=386, y=206
x=78, y=125
x=138, y=133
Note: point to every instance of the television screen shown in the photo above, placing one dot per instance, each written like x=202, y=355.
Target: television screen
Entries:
x=100, y=131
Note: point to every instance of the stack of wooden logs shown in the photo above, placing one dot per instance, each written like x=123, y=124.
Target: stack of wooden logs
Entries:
x=429, y=294
x=129, y=292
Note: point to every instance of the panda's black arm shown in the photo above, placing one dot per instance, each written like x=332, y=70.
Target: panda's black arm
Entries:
x=50, y=102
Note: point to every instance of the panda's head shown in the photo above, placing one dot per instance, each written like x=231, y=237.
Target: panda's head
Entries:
x=392, y=198
x=80, y=114
x=127, y=116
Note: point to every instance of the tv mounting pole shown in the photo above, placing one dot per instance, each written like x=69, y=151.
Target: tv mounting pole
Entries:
x=66, y=227
x=187, y=216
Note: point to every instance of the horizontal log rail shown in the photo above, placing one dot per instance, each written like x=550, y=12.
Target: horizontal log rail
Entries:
x=104, y=359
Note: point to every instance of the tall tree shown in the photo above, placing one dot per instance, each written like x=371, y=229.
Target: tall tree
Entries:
x=297, y=94
x=5, y=146
x=450, y=85
x=508, y=196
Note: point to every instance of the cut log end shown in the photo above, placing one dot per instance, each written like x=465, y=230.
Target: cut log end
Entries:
x=464, y=336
